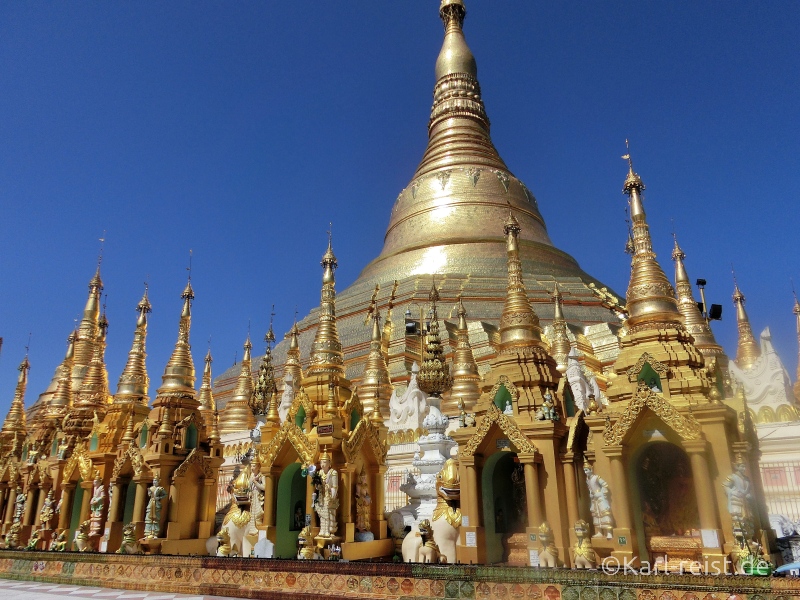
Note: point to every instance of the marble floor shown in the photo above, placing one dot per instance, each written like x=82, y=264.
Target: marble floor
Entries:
x=12, y=590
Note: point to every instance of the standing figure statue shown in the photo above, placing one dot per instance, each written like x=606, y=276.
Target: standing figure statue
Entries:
x=19, y=506
x=96, y=505
x=48, y=510
x=740, y=494
x=152, y=518
x=363, y=504
x=599, y=498
x=327, y=497
x=256, y=494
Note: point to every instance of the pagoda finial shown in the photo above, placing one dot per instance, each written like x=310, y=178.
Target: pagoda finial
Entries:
x=695, y=323
x=455, y=56
x=747, y=350
x=796, y=311
x=179, y=372
x=650, y=296
x=519, y=324
x=326, y=350
x=14, y=426
x=265, y=388
x=134, y=381
x=434, y=375
x=375, y=389
x=466, y=388
x=61, y=401
x=293, y=354
x=205, y=397
x=237, y=414
x=560, y=347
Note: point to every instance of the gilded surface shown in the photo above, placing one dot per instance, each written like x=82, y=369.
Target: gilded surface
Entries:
x=132, y=454
x=197, y=459
x=506, y=425
x=686, y=426
x=364, y=431
x=267, y=453
x=504, y=382
x=646, y=357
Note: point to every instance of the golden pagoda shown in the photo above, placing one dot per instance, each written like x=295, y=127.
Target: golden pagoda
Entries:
x=205, y=396
x=466, y=380
x=747, y=350
x=237, y=416
x=375, y=388
x=14, y=430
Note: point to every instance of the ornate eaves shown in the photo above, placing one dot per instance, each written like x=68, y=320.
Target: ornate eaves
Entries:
x=267, y=453
x=648, y=358
x=133, y=454
x=506, y=425
x=194, y=458
x=300, y=399
x=364, y=431
x=686, y=426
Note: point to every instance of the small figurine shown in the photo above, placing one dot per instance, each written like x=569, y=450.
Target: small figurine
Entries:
x=96, y=505
x=600, y=504
x=585, y=557
x=59, y=544
x=152, y=520
x=33, y=543
x=130, y=545
x=12, y=537
x=429, y=551
x=548, y=554
x=547, y=412
x=223, y=543
x=82, y=539
x=47, y=513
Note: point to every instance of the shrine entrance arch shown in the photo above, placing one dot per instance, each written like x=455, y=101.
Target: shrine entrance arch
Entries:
x=504, y=507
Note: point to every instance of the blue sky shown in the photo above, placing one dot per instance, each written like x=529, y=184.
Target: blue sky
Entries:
x=238, y=130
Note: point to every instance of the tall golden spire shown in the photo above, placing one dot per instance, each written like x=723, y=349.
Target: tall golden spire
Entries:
x=695, y=323
x=375, y=383
x=61, y=402
x=89, y=325
x=205, y=396
x=458, y=117
x=796, y=311
x=326, y=350
x=466, y=380
x=134, y=382
x=293, y=356
x=519, y=325
x=179, y=374
x=560, y=346
x=747, y=350
x=93, y=396
x=650, y=297
x=14, y=425
x=434, y=375
x=237, y=416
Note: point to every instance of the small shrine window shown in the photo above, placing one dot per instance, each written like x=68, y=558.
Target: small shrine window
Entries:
x=502, y=398
x=143, y=436
x=191, y=437
x=650, y=377
x=300, y=417
x=94, y=442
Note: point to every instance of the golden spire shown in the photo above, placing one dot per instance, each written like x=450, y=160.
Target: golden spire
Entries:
x=466, y=381
x=695, y=323
x=434, y=375
x=519, y=325
x=179, y=374
x=375, y=383
x=205, y=397
x=61, y=402
x=88, y=327
x=94, y=393
x=293, y=356
x=128, y=436
x=262, y=400
x=237, y=416
x=14, y=425
x=747, y=350
x=458, y=117
x=134, y=382
x=326, y=351
x=560, y=346
x=650, y=296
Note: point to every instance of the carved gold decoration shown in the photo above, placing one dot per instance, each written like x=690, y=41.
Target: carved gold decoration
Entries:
x=194, y=458
x=506, y=425
x=301, y=399
x=686, y=426
x=503, y=381
x=365, y=430
x=81, y=461
x=267, y=453
x=657, y=366
x=451, y=515
x=132, y=454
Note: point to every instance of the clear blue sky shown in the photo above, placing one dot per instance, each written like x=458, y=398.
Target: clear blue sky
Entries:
x=239, y=129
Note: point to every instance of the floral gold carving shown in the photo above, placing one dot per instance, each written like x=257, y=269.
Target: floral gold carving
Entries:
x=267, y=453
x=365, y=430
x=506, y=425
x=646, y=357
x=194, y=458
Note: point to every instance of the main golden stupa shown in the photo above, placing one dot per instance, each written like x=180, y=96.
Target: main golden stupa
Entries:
x=448, y=221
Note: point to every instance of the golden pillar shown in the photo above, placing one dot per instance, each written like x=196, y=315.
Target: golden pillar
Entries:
x=619, y=491
x=66, y=505
x=113, y=510
x=87, y=499
x=174, y=497
x=696, y=449
x=37, y=518
x=571, y=490
x=472, y=493
x=269, y=501
x=532, y=491
x=140, y=501
x=204, y=497
x=27, y=518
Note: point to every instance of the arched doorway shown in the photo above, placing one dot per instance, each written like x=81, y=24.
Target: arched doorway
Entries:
x=667, y=502
x=291, y=498
x=75, y=512
x=504, y=507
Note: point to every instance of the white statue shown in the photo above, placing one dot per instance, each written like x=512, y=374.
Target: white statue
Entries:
x=739, y=492
x=256, y=494
x=327, y=500
x=408, y=410
x=152, y=519
x=96, y=505
x=287, y=397
x=581, y=384
x=599, y=498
